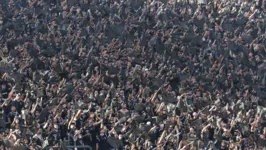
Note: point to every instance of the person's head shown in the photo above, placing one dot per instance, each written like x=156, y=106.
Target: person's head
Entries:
x=13, y=109
x=232, y=146
x=37, y=113
x=124, y=106
x=39, y=132
x=26, y=141
x=56, y=126
x=195, y=114
x=191, y=130
x=3, y=86
x=102, y=92
x=102, y=133
x=16, y=120
x=96, y=93
x=72, y=126
x=64, y=105
x=223, y=144
x=120, y=137
x=257, y=58
x=90, y=122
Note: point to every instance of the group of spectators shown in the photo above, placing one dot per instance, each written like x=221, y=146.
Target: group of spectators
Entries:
x=133, y=74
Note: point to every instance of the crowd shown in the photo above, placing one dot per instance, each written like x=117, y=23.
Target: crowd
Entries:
x=133, y=74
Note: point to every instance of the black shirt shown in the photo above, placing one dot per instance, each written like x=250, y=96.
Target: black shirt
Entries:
x=5, y=91
x=102, y=142
x=87, y=136
x=71, y=136
x=93, y=131
x=1, y=101
x=18, y=105
x=54, y=137
x=211, y=133
x=12, y=116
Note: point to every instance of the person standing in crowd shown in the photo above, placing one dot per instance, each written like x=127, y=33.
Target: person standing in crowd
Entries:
x=102, y=143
